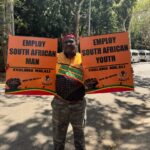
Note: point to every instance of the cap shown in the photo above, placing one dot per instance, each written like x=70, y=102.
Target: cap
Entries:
x=68, y=36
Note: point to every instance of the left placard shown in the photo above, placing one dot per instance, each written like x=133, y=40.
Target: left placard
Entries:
x=31, y=66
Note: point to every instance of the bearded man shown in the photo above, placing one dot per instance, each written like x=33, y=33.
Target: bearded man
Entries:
x=68, y=105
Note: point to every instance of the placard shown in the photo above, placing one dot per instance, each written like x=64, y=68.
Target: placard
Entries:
x=107, y=63
x=31, y=65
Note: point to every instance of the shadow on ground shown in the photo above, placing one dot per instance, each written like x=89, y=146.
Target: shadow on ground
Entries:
x=123, y=126
x=33, y=134
x=138, y=82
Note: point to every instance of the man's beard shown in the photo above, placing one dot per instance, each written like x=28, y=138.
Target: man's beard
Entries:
x=71, y=52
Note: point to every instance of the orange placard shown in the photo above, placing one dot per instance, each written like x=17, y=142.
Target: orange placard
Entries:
x=31, y=65
x=107, y=63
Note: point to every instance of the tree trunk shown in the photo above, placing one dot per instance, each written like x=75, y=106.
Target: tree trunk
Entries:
x=6, y=27
x=124, y=25
x=10, y=16
x=2, y=34
x=78, y=20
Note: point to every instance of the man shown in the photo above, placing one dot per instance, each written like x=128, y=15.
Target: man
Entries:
x=68, y=106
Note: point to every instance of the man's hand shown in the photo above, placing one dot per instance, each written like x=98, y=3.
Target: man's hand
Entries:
x=90, y=83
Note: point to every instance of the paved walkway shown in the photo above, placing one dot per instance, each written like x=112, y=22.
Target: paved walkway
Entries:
x=119, y=121
x=115, y=121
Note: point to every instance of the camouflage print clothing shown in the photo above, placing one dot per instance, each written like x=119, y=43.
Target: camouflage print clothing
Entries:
x=64, y=113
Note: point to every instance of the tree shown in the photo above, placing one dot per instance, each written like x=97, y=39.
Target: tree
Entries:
x=50, y=18
x=140, y=25
x=103, y=17
x=2, y=25
x=6, y=28
x=123, y=9
x=77, y=24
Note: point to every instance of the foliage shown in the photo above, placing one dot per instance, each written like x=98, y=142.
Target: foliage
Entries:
x=140, y=25
x=103, y=17
x=123, y=9
x=50, y=18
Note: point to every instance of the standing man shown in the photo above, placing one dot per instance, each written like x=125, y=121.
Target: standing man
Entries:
x=68, y=106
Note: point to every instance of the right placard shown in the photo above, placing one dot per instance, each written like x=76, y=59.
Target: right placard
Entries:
x=107, y=63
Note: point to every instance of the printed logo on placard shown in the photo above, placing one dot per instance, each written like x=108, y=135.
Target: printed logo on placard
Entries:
x=123, y=76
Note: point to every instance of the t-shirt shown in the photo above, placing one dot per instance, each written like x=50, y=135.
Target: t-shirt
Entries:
x=69, y=78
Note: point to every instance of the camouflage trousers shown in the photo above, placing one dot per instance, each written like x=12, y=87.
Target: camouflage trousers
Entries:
x=64, y=113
